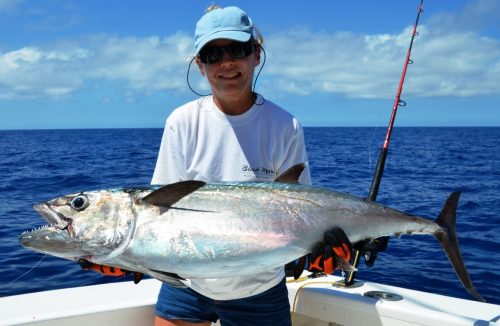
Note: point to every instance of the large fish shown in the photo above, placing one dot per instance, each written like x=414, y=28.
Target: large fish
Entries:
x=193, y=229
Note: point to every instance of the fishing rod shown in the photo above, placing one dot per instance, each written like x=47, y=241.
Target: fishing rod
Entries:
x=377, y=177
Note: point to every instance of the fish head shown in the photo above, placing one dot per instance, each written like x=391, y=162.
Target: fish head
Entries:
x=82, y=225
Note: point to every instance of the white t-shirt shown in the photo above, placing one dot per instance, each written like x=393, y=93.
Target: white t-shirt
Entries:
x=200, y=142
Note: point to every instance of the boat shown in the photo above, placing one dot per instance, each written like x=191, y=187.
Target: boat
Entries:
x=322, y=301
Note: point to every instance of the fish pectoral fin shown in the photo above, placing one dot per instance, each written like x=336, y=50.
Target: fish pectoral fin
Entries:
x=169, y=278
x=170, y=194
x=291, y=175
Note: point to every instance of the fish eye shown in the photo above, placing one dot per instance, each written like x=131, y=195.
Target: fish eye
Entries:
x=79, y=203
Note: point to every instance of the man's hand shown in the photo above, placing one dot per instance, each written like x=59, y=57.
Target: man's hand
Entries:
x=335, y=250
x=108, y=270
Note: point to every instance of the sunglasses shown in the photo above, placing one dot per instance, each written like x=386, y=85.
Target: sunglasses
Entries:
x=236, y=50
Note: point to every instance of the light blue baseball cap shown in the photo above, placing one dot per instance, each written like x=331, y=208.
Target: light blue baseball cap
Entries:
x=223, y=23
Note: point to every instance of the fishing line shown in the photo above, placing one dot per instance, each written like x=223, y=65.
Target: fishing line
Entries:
x=29, y=271
x=372, y=140
x=377, y=126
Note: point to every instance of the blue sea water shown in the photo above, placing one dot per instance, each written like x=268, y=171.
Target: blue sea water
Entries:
x=423, y=167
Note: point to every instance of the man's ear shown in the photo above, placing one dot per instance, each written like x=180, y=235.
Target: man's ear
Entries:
x=200, y=66
x=257, y=53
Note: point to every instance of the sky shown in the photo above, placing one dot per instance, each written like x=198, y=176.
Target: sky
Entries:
x=123, y=64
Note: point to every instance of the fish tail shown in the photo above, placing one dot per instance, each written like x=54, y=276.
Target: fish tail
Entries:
x=449, y=242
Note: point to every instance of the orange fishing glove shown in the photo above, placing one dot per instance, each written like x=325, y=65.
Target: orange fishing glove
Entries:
x=326, y=255
x=108, y=270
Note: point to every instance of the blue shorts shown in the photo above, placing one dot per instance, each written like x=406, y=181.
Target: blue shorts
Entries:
x=268, y=308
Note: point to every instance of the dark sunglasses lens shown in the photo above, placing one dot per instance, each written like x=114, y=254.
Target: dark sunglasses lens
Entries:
x=211, y=55
x=239, y=50
x=215, y=54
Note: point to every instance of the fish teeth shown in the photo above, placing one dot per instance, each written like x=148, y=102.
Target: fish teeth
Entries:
x=41, y=227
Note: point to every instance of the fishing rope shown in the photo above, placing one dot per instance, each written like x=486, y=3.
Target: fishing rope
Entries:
x=29, y=271
x=299, y=289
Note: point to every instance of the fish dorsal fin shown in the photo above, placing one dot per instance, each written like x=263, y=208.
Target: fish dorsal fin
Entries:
x=292, y=174
x=170, y=194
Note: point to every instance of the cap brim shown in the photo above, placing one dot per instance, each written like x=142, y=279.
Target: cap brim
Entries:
x=238, y=36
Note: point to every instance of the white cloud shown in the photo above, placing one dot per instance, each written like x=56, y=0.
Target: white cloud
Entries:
x=445, y=64
x=457, y=64
x=14, y=59
x=343, y=63
x=31, y=73
x=143, y=65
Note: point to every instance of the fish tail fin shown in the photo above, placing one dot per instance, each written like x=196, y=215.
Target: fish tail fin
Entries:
x=449, y=242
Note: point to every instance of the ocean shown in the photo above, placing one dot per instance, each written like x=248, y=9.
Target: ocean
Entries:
x=423, y=167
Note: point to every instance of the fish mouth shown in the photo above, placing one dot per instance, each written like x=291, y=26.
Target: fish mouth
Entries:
x=51, y=240
x=55, y=219
x=57, y=238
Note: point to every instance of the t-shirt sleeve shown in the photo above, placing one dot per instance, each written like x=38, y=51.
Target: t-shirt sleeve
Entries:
x=170, y=165
x=296, y=153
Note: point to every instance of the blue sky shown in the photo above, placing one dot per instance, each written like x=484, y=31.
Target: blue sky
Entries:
x=116, y=63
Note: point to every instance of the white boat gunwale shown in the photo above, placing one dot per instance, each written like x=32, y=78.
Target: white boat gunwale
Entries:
x=314, y=302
